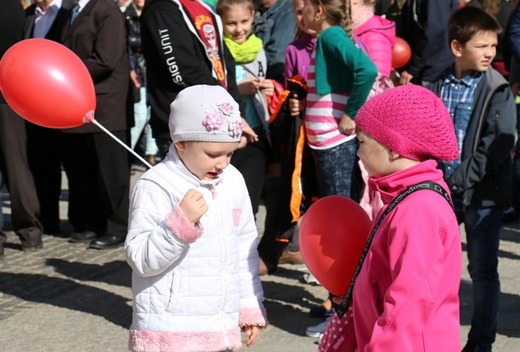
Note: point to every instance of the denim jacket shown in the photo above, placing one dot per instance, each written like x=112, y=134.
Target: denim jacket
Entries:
x=276, y=27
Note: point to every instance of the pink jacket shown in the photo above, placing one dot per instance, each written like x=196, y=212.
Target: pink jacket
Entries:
x=378, y=36
x=406, y=295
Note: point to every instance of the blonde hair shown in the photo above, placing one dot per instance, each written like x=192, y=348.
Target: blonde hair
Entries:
x=224, y=5
x=339, y=12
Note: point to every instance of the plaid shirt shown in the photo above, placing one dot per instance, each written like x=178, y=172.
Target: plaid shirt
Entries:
x=459, y=95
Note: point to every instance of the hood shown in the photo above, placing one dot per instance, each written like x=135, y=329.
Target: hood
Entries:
x=380, y=24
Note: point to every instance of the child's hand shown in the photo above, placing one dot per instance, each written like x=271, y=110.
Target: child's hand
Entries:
x=347, y=126
x=295, y=105
x=405, y=78
x=248, y=86
x=252, y=332
x=248, y=135
x=136, y=81
x=193, y=205
x=267, y=87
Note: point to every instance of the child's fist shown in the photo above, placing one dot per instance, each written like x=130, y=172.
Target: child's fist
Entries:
x=296, y=105
x=193, y=205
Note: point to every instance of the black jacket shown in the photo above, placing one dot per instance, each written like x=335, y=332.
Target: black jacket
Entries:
x=425, y=24
x=483, y=177
x=176, y=59
x=11, y=28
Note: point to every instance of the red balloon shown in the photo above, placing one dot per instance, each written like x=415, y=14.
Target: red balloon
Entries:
x=401, y=53
x=332, y=235
x=47, y=84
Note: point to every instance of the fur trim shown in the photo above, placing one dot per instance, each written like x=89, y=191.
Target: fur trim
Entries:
x=182, y=226
x=253, y=317
x=163, y=341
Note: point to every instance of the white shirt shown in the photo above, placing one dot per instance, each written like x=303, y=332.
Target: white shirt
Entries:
x=44, y=20
x=82, y=4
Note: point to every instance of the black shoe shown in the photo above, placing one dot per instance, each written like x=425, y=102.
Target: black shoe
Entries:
x=510, y=215
x=107, y=242
x=32, y=248
x=471, y=347
x=82, y=237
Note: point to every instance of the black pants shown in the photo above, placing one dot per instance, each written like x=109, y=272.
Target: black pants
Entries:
x=25, y=207
x=251, y=161
x=43, y=153
x=98, y=173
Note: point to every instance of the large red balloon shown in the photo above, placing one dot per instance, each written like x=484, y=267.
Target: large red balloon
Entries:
x=47, y=84
x=401, y=53
x=332, y=236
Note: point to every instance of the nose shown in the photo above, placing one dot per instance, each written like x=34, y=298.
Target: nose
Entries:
x=222, y=163
x=491, y=52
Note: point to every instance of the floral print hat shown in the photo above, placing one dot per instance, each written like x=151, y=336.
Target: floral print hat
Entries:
x=206, y=114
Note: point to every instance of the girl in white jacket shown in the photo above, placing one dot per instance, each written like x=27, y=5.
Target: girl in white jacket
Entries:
x=192, y=236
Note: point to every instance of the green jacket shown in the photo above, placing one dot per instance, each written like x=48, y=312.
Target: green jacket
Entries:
x=341, y=67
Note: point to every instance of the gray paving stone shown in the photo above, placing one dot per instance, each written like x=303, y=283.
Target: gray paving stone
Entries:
x=67, y=298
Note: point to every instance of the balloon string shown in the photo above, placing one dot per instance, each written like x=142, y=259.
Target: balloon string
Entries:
x=120, y=142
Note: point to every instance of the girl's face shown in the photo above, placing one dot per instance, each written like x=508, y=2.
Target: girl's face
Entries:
x=309, y=18
x=298, y=6
x=206, y=160
x=238, y=21
x=374, y=156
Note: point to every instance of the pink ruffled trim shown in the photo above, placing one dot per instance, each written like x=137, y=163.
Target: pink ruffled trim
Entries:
x=182, y=226
x=252, y=317
x=155, y=341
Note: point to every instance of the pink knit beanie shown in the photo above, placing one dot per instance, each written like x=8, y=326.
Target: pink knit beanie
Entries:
x=411, y=121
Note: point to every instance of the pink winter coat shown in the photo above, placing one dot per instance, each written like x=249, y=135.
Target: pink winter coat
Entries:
x=378, y=36
x=406, y=295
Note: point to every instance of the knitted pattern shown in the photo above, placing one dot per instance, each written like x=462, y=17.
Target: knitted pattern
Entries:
x=411, y=121
x=205, y=113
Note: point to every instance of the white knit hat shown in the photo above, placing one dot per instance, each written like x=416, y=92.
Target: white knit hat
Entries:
x=206, y=114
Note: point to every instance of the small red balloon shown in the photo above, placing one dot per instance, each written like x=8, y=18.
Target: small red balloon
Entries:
x=401, y=53
x=332, y=236
x=47, y=84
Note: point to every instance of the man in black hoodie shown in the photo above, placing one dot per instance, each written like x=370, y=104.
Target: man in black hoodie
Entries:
x=181, y=52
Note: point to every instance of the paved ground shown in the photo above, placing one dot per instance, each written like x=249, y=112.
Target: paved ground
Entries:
x=68, y=298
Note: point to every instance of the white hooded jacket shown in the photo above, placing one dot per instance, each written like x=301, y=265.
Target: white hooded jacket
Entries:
x=194, y=288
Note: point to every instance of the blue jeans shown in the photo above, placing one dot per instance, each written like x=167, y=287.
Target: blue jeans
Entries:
x=335, y=170
x=482, y=227
x=141, y=118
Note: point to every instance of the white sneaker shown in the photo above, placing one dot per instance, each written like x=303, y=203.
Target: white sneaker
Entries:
x=316, y=330
x=320, y=336
x=310, y=279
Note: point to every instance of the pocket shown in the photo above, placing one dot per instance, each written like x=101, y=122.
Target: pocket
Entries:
x=462, y=116
x=173, y=293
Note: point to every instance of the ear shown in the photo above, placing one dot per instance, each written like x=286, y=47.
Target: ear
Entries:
x=456, y=47
x=180, y=146
x=393, y=156
x=320, y=10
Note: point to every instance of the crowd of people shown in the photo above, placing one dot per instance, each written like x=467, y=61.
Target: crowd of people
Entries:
x=280, y=102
